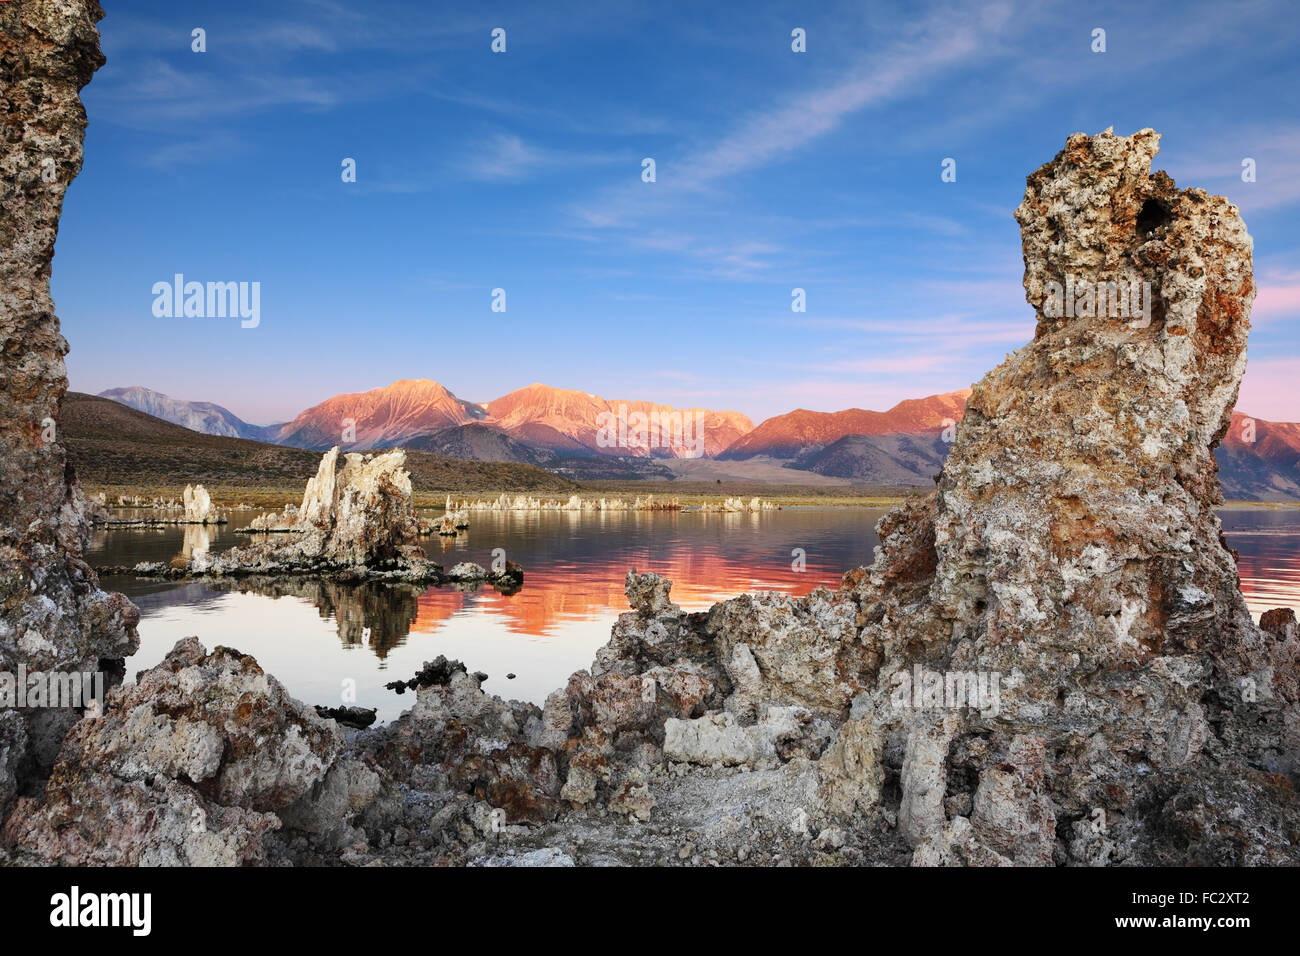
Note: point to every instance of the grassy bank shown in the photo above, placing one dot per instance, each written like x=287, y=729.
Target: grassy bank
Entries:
x=273, y=496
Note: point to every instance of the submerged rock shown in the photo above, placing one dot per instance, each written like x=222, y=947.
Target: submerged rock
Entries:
x=356, y=522
x=360, y=514
x=435, y=673
x=467, y=571
x=509, y=579
x=357, y=717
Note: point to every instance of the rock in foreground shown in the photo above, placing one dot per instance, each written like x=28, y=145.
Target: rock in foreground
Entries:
x=193, y=764
x=1050, y=660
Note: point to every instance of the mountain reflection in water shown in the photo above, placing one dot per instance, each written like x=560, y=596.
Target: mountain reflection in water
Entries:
x=319, y=637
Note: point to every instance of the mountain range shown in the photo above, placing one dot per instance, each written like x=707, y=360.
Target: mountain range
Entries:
x=112, y=445
x=205, y=417
x=580, y=435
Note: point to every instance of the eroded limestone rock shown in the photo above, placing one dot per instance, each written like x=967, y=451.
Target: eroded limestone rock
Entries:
x=719, y=739
x=1070, y=551
x=1050, y=660
x=358, y=519
x=53, y=614
x=190, y=765
x=1071, y=548
x=198, y=505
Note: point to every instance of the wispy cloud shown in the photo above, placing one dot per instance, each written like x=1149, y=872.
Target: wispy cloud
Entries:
x=952, y=333
x=503, y=156
x=290, y=37
x=939, y=43
x=893, y=365
x=158, y=96
x=623, y=122
x=920, y=56
x=194, y=149
x=738, y=259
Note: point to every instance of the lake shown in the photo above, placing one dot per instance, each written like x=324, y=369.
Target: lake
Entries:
x=316, y=636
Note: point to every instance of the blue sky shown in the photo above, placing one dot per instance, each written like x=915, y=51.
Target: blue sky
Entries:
x=522, y=171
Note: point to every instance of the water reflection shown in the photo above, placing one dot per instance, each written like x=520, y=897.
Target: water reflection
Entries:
x=1267, y=541
x=314, y=634
x=371, y=615
x=197, y=540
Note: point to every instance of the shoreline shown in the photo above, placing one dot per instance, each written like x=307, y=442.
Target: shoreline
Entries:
x=231, y=498
x=275, y=497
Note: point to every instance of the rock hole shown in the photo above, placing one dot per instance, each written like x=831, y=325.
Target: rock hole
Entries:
x=1155, y=213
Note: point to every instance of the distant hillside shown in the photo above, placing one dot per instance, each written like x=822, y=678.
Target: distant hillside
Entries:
x=206, y=417
x=569, y=421
x=559, y=430
x=533, y=425
x=602, y=468
x=897, y=459
x=803, y=432
x=480, y=442
x=111, y=444
x=1265, y=469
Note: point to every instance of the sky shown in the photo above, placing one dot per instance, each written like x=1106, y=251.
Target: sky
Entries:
x=522, y=170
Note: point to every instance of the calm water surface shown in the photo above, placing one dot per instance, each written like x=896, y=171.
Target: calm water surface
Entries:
x=315, y=635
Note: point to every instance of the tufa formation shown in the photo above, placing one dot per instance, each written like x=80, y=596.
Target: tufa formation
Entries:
x=53, y=614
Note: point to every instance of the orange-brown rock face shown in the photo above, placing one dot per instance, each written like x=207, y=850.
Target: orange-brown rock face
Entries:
x=53, y=615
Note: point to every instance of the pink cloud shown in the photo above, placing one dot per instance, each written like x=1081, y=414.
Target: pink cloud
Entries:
x=1269, y=390
x=1277, y=295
